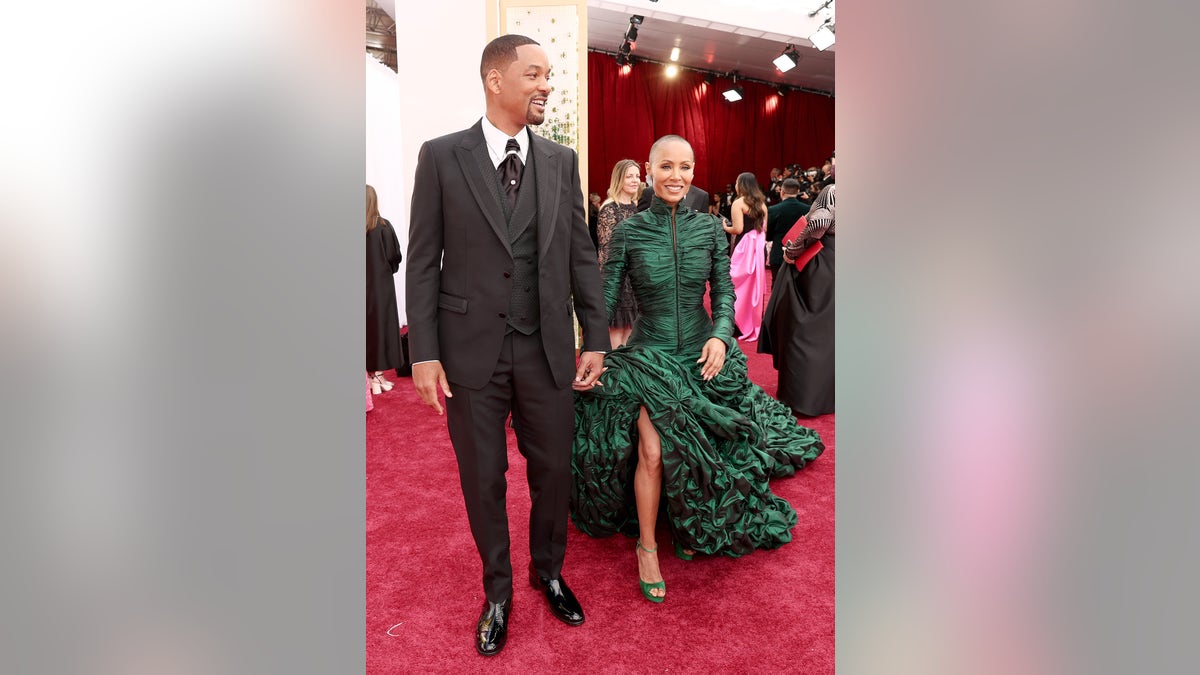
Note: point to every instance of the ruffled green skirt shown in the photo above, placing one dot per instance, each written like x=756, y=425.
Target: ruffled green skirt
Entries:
x=722, y=441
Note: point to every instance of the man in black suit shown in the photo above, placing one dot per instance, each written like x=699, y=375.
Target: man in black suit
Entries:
x=498, y=246
x=780, y=218
x=695, y=199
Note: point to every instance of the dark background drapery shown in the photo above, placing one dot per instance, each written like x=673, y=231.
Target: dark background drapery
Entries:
x=627, y=112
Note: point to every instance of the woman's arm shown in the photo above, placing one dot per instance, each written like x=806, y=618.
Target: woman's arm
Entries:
x=605, y=222
x=737, y=213
x=721, y=296
x=720, y=286
x=613, y=269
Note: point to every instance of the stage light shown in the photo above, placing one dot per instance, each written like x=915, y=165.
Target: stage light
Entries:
x=825, y=10
x=675, y=53
x=636, y=19
x=631, y=33
x=622, y=58
x=787, y=60
x=672, y=70
x=823, y=39
x=734, y=93
x=626, y=46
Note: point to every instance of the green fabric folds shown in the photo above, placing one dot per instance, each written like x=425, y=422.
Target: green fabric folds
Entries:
x=722, y=440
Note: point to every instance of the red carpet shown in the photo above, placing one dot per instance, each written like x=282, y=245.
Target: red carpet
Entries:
x=771, y=611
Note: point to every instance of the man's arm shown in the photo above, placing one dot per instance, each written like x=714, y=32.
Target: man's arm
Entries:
x=422, y=280
x=585, y=286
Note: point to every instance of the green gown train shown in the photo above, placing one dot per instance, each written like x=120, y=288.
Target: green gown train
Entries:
x=722, y=440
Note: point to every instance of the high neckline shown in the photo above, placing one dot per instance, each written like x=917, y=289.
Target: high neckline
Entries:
x=657, y=205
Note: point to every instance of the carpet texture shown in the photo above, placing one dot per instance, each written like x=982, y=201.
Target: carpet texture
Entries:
x=768, y=612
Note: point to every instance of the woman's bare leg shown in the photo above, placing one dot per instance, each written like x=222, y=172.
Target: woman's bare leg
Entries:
x=647, y=489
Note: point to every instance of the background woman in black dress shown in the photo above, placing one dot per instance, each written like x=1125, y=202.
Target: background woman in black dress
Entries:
x=383, y=318
x=623, y=189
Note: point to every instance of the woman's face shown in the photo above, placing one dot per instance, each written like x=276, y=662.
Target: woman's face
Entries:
x=632, y=181
x=672, y=171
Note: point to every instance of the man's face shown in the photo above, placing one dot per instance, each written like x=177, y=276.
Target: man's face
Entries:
x=524, y=86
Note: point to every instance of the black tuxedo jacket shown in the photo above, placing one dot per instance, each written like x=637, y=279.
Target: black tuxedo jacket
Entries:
x=695, y=199
x=458, y=280
x=780, y=218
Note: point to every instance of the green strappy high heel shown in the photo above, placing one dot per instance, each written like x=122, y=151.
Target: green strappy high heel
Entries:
x=683, y=555
x=646, y=586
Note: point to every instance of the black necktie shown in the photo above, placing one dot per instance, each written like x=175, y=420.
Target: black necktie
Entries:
x=510, y=171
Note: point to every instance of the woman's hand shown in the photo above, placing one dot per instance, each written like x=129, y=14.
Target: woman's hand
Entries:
x=712, y=357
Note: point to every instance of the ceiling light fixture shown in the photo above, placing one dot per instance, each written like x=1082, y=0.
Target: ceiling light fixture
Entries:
x=675, y=53
x=734, y=93
x=823, y=39
x=672, y=70
x=825, y=6
x=788, y=59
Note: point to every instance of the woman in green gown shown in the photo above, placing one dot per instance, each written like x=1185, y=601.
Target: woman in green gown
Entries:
x=677, y=420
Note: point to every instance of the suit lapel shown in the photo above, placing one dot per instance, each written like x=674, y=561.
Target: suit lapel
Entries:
x=472, y=155
x=549, y=186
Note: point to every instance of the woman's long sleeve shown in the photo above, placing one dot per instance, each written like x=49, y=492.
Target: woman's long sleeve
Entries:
x=606, y=222
x=721, y=293
x=612, y=265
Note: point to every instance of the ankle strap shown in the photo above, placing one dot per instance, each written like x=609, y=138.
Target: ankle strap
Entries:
x=647, y=550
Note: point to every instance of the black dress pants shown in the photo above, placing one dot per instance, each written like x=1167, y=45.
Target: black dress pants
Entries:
x=544, y=420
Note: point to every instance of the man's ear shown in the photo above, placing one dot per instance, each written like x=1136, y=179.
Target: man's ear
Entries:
x=492, y=81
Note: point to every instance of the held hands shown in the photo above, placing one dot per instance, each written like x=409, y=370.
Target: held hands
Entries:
x=427, y=377
x=587, y=375
x=712, y=357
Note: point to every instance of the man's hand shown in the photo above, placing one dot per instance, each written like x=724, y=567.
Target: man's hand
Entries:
x=427, y=377
x=713, y=358
x=591, y=365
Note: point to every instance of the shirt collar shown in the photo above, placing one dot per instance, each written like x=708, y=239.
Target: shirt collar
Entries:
x=497, y=140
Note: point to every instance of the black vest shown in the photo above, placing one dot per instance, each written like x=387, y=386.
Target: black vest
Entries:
x=524, y=304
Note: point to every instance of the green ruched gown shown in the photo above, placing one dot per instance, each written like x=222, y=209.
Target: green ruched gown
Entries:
x=722, y=440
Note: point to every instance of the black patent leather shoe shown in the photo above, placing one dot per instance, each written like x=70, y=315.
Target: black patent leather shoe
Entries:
x=492, y=630
x=563, y=604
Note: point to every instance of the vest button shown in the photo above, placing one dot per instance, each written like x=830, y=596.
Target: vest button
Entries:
x=507, y=275
x=503, y=315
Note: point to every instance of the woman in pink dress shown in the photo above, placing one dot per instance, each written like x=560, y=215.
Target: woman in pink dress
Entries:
x=747, y=264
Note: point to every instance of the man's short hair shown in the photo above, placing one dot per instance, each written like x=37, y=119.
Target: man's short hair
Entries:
x=502, y=51
x=791, y=186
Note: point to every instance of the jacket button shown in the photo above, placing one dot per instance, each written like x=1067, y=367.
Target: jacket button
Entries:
x=503, y=315
x=507, y=275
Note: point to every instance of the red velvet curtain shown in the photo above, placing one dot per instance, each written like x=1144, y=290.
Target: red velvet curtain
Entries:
x=627, y=112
